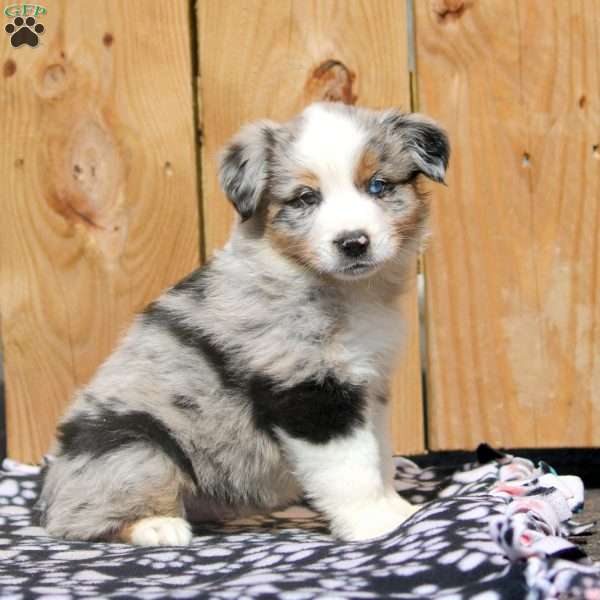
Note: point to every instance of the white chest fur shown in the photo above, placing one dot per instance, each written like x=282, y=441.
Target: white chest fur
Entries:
x=365, y=346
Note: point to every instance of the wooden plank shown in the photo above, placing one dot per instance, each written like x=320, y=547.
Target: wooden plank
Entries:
x=513, y=271
x=269, y=59
x=99, y=208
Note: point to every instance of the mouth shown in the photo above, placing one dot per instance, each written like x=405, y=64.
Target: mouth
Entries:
x=356, y=270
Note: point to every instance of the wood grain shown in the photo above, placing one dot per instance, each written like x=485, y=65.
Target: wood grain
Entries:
x=513, y=273
x=99, y=208
x=268, y=60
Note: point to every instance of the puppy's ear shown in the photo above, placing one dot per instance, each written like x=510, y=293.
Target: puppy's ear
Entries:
x=243, y=168
x=426, y=141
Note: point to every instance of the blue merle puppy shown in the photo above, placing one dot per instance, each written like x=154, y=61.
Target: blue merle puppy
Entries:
x=263, y=376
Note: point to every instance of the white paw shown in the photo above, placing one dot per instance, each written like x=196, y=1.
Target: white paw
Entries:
x=161, y=531
x=377, y=519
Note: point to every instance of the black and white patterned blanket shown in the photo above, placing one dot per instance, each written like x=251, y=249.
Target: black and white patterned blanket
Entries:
x=498, y=528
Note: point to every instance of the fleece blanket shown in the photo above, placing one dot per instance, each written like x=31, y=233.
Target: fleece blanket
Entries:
x=498, y=528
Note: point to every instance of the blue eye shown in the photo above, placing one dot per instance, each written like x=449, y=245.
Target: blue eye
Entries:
x=376, y=187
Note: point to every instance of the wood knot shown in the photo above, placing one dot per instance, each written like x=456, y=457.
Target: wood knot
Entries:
x=55, y=80
x=10, y=68
x=448, y=10
x=91, y=174
x=108, y=39
x=332, y=80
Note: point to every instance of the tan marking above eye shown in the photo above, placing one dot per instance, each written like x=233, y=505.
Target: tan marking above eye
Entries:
x=308, y=179
x=367, y=166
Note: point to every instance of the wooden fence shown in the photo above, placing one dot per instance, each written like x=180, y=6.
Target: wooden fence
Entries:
x=109, y=135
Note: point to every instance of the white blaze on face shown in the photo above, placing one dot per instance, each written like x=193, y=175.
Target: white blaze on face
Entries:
x=330, y=145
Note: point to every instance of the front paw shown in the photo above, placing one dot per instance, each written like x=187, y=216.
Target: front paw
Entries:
x=372, y=521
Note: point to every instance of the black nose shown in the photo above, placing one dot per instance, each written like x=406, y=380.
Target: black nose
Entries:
x=352, y=243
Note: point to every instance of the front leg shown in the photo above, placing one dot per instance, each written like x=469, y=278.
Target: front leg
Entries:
x=346, y=479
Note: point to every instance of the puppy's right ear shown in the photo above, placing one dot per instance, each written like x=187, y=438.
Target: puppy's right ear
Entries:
x=243, y=168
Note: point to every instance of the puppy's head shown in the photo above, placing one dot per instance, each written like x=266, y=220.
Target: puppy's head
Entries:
x=336, y=188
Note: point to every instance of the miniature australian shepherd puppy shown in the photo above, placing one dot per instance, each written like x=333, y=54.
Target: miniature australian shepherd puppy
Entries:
x=263, y=376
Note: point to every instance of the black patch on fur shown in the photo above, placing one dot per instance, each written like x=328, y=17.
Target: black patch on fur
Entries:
x=235, y=156
x=81, y=507
x=432, y=143
x=193, y=338
x=193, y=284
x=269, y=140
x=314, y=410
x=184, y=402
x=429, y=141
x=108, y=431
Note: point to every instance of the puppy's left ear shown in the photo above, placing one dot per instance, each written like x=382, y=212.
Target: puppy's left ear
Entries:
x=243, y=168
x=426, y=141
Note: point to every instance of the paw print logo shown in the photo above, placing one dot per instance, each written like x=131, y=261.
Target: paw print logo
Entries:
x=24, y=31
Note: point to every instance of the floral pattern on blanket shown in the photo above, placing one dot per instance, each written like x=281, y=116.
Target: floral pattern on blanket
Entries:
x=498, y=528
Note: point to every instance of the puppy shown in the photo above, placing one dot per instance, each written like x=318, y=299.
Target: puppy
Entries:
x=263, y=376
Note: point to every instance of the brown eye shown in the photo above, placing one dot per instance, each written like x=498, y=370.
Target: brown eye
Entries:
x=309, y=197
x=306, y=197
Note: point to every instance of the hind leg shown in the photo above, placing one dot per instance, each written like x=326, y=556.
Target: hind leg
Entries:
x=131, y=495
x=157, y=531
